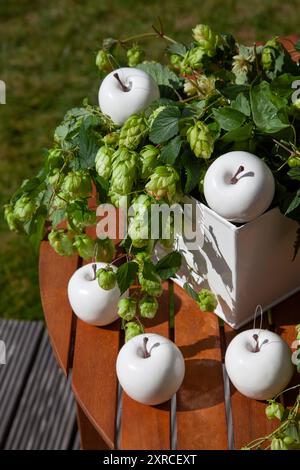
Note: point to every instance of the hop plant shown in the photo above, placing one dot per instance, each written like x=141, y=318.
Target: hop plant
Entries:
x=201, y=140
x=242, y=64
x=138, y=229
x=84, y=245
x=127, y=308
x=55, y=177
x=274, y=410
x=12, y=221
x=150, y=286
x=55, y=159
x=148, y=307
x=105, y=250
x=163, y=183
x=149, y=160
x=278, y=444
x=154, y=115
x=106, y=278
x=135, y=55
x=269, y=54
x=207, y=301
x=202, y=86
x=102, y=61
x=61, y=242
x=133, y=132
x=206, y=39
x=133, y=329
x=77, y=184
x=193, y=59
x=80, y=219
x=111, y=139
x=119, y=200
x=124, y=170
x=103, y=161
x=24, y=208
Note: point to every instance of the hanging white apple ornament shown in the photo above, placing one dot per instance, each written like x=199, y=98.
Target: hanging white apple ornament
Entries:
x=239, y=186
x=88, y=300
x=126, y=91
x=150, y=368
x=259, y=364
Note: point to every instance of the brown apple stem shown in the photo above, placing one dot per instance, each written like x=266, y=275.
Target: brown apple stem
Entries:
x=94, y=266
x=256, y=347
x=145, y=350
x=234, y=179
x=124, y=87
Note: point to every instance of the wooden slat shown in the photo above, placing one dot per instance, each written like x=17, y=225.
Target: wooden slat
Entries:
x=46, y=407
x=90, y=439
x=94, y=376
x=22, y=340
x=55, y=272
x=248, y=415
x=201, y=417
x=148, y=427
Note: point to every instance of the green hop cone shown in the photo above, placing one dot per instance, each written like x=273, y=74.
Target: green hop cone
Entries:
x=80, y=219
x=133, y=132
x=55, y=177
x=176, y=61
x=163, y=184
x=278, y=444
x=148, y=307
x=270, y=52
x=148, y=160
x=149, y=286
x=55, y=159
x=124, y=171
x=135, y=55
x=140, y=259
x=201, y=140
x=24, y=208
x=103, y=161
x=193, y=59
x=105, y=250
x=61, y=242
x=138, y=229
x=11, y=220
x=127, y=308
x=111, y=139
x=206, y=39
x=84, y=245
x=207, y=301
x=106, y=278
x=133, y=329
x=102, y=61
x=275, y=410
x=77, y=184
x=294, y=160
x=119, y=200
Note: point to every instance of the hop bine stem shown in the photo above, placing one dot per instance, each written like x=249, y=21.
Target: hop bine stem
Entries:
x=234, y=179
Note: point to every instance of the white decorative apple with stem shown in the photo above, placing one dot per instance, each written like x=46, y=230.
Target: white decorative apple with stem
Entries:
x=239, y=186
x=259, y=364
x=88, y=300
x=150, y=368
x=126, y=91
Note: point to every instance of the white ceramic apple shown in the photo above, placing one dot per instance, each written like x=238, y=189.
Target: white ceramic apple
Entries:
x=88, y=300
x=259, y=364
x=126, y=91
x=150, y=368
x=239, y=186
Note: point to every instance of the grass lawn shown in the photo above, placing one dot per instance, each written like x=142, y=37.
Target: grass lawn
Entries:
x=47, y=52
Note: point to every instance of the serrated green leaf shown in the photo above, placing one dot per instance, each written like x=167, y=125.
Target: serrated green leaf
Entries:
x=88, y=147
x=166, y=125
x=293, y=203
x=241, y=103
x=149, y=271
x=178, y=49
x=171, y=151
x=238, y=135
x=126, y=275
x=161, y=74
x=192, y=167
x=169, y=265
x=229, y=118
x=266, y=107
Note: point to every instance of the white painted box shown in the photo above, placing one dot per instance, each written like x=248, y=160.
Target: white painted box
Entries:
x=243, y=265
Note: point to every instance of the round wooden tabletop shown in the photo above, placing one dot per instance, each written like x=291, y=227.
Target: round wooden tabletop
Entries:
x=205, y=414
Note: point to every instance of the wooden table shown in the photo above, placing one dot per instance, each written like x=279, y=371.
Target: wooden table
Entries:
x=206, y=413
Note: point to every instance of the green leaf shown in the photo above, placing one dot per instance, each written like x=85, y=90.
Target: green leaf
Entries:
x=149, y=271
x=294, y=203
x=169, y=265
x=126, y=275
x=294, y=173
x=238, y=135
x=190, y=291
x=297, y=45
x=232, y=91
x=241, y=103
x=161, y=74
x=177, y=48
x=166, y=125
x=36, y=228
x=57, y=217
x=282, y=85
x=265, y=107
x=229, y=118
x=88, y=147
x=171, y=151
x=192, y=166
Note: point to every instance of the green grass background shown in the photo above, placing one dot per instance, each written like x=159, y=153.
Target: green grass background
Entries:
x=47, y=53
